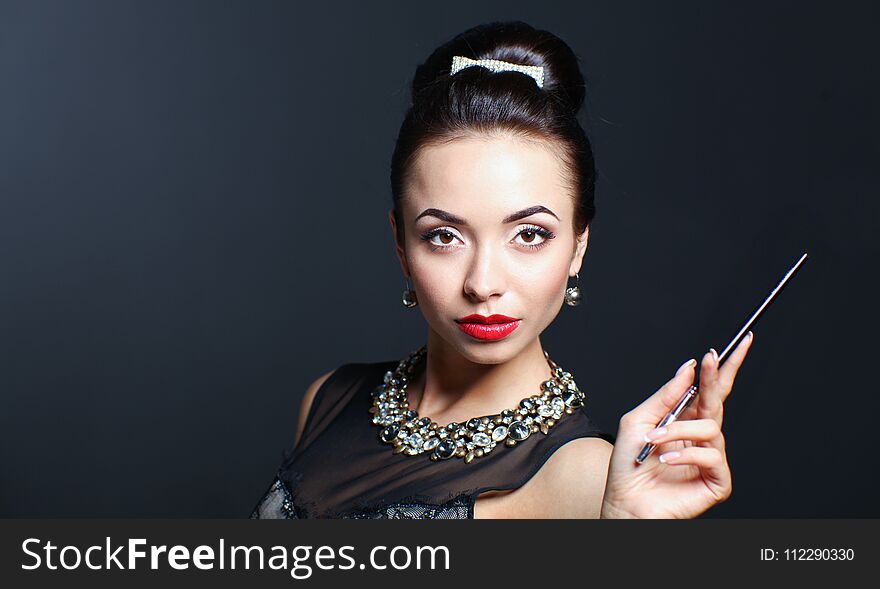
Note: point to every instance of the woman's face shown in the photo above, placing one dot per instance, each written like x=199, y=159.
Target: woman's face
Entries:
x=488, y=231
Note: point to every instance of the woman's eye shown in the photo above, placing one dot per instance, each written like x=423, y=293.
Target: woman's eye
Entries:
x=534, y=237
x=439, y=238
x=445, y=237
x=530, y=236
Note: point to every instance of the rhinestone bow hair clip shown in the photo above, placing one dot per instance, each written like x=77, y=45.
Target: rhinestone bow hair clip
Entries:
x=496, y=65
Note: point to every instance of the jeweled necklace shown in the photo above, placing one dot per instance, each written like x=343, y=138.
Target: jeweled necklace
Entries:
x=413, y=435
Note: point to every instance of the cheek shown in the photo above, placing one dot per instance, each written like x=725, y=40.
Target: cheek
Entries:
x=438, y=280
x=542, y=280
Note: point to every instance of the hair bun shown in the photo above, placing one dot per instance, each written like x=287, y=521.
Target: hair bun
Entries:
x=515, y=42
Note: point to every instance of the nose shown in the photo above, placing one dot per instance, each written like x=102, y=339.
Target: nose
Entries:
x=485, y=276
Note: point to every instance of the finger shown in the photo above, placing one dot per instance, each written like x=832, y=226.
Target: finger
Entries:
x=655, y=407
x=710, y=401
x=711, y=462
x=727, y=373
x=706, y=431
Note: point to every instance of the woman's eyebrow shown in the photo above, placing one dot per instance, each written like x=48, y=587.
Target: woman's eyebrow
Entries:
x=450, y=218
x=442, y=215
x=527, y=213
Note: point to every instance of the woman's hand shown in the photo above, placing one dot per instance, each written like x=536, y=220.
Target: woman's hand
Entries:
x=688, y=472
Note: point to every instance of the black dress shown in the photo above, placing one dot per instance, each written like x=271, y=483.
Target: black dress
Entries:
x=341, y=469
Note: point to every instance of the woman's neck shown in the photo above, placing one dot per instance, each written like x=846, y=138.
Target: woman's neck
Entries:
x=452, y=388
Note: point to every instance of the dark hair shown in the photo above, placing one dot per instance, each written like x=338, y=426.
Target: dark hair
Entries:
x=475, y=100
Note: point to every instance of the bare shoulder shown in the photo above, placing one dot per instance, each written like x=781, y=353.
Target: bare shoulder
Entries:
x=569, y=485
x=574, y=476
x=306, y=403
x=583, y=452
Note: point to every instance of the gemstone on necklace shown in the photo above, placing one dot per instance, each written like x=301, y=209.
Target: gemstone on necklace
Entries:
x=545, y=410
x=572, y=399
x=431, y=443
x=519, y=431
x=415, y=440
x=499, y=433
x=558, y=404
x=481, y=439
x=389, y=433
x=445, y=449
x=473, y=423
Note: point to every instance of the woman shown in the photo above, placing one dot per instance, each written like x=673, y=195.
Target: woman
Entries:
x=493, y=194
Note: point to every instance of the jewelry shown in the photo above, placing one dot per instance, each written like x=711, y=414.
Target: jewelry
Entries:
x=413, y=435
x=409, y=297
x=573, y=293
x=496, y=65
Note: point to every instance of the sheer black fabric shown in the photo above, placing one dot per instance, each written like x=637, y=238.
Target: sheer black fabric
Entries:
x=340, y=468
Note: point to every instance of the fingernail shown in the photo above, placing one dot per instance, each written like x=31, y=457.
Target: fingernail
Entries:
x=690, y=362
x=654, y=434
x=714, y=354
x=751, y=337
x=669, y=456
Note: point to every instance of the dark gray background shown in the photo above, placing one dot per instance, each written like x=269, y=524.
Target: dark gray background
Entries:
x=193, y=227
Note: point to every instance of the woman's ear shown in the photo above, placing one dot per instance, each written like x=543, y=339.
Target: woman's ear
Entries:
x=580, y=248
x=399, y=248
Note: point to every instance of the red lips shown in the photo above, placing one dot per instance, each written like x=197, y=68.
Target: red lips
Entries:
x=493, y=327
x=486, y=320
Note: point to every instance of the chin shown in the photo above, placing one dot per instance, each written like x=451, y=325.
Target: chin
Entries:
x=489, y=352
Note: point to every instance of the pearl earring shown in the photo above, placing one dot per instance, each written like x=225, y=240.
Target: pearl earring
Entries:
x=573, y=293
x=409, y=297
